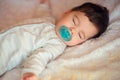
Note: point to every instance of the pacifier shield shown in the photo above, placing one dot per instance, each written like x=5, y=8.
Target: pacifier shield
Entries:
x=65, y=33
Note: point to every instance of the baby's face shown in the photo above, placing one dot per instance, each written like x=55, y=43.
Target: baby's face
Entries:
x=79, y=28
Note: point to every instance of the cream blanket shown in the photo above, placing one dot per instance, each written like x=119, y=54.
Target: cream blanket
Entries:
x=96, y=59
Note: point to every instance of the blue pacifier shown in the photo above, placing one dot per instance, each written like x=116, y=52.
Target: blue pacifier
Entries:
x=65, y=33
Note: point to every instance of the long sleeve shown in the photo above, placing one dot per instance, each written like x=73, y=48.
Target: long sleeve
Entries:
x=15, y=45
x=37, y=62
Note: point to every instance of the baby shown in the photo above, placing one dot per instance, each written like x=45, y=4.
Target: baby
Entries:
x=44, y=42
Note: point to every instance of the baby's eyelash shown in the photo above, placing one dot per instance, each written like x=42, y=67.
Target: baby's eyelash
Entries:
x=79, y=35
x=73, y=21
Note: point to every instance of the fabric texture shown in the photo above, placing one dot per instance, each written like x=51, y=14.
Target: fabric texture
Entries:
x=19, y=12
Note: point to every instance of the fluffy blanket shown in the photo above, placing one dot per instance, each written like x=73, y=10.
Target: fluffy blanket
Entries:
x=96, y=59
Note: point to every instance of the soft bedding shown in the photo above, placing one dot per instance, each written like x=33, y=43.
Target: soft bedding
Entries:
x=96, y=59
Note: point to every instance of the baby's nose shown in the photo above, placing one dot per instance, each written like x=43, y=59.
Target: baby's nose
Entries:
x=73, y=30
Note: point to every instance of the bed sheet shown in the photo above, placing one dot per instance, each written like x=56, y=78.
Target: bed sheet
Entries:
x=96, y=59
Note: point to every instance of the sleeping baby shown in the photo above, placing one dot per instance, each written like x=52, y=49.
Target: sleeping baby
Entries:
x=37, y=44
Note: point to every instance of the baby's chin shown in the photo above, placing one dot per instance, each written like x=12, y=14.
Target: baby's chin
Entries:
x=70, y=44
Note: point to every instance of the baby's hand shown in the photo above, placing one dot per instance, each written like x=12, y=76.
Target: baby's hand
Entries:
x=29, y=76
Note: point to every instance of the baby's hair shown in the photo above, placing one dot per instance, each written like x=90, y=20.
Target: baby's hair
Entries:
x=97, y=14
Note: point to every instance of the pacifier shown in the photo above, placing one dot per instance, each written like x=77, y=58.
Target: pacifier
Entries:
x=65, y=33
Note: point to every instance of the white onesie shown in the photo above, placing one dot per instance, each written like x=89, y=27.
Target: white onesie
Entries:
x=33, y=44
